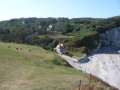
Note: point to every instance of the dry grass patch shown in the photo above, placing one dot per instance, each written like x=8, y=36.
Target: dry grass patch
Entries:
x=35, y=70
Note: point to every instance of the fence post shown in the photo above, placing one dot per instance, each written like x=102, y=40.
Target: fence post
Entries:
x=90, y=77
x=79, y=84
x=109, y=88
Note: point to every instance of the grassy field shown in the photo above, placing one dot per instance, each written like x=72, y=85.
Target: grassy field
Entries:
x=78, y=35
x=24, y=70
x=56, y=37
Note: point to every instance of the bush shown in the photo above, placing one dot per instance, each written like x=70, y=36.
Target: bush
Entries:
x=68, y=53
x=57, y=61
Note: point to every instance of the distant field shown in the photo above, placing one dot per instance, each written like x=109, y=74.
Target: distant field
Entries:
x=24, y=70
x=78, y=35
x=56, y=37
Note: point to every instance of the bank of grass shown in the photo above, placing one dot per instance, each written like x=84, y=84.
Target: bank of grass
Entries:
x=78, y=52
x=56, y=37
x=78, y=35
x=37, y=70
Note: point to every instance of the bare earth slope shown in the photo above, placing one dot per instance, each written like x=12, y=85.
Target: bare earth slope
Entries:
x=104, y=63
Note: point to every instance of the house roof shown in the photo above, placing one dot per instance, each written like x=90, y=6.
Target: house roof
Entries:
x=59, y=46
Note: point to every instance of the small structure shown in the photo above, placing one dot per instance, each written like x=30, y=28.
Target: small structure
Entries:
x=39, y=26
x=60, y=48
x=50, y=27
x=23, y=22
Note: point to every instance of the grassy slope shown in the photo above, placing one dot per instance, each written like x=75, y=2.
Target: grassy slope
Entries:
x=24, y=70
x=81, y=34
x=55, y=37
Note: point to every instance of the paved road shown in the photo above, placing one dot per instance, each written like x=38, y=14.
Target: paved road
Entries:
x=104, y=64
x=74, y=63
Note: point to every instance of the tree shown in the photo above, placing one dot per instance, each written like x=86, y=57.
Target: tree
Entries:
x=1, y=31
x=22, y=33
x=62, y=27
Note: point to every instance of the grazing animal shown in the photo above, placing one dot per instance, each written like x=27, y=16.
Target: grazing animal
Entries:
x=8, y=46
x=20, y=48
x=16, y=48
x=29, y=50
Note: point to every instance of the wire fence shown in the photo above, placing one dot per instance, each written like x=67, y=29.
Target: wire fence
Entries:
x=93, y=83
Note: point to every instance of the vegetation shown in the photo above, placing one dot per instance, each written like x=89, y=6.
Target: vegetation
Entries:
x=48, y=32
x=33, y=68
x=27, y=67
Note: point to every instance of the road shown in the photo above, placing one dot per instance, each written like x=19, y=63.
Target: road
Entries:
x=104, y=64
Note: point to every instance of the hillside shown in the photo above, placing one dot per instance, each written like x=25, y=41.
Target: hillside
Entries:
x=33, y=68
x=103, y=62
x=78, y=34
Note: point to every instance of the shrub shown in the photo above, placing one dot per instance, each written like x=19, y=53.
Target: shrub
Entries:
x=57, y=61
x=68, y=53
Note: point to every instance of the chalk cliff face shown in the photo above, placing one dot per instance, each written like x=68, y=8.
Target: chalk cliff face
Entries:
x=111, y=38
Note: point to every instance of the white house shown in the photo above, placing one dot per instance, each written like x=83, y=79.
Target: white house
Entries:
x=39, y=26
x=60, y=48
x=23, y=22
x=50, y=27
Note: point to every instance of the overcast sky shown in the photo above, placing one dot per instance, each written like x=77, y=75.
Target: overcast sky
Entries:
x=59, y=8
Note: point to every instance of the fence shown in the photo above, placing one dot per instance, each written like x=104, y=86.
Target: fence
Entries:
x=93, y=85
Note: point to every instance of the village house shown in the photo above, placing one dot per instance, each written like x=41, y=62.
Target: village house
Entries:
x=40, y=26
x=50, y=27
x=60, y=48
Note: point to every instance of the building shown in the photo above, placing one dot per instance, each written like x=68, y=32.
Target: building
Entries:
x=60, y=48
x=40, y=26
x=50, y=27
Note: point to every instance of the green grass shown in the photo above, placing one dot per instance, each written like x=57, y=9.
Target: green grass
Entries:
x=78, y=35
x=78, y=54
x=56, y=37
x=36, y=70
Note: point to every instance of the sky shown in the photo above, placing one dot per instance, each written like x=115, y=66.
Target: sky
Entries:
x=10, y=9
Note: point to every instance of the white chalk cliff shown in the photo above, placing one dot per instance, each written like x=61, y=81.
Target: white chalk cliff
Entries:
x=111, y=38
x=104, y=63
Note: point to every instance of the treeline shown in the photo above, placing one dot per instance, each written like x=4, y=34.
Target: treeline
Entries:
x=27, y=30
x=61, y=25
x=38, y=25
x=24, y=35
x=106, y=24
x=99, y=24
